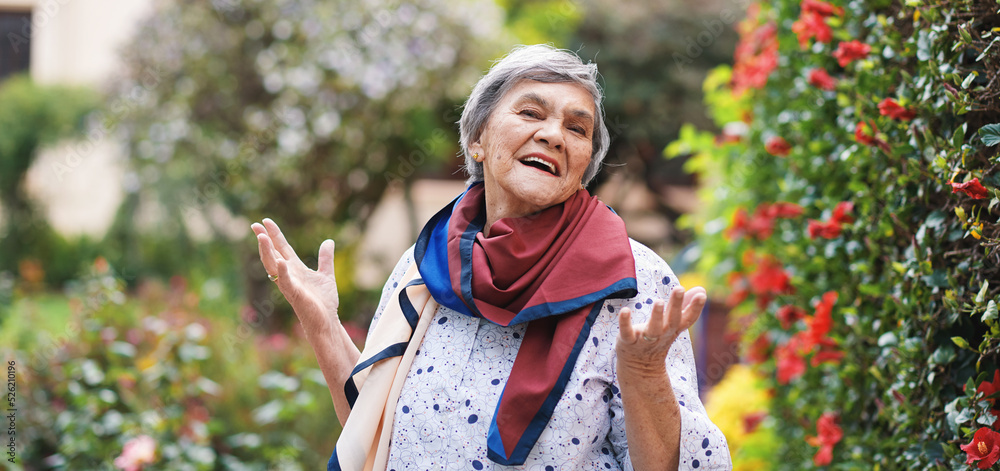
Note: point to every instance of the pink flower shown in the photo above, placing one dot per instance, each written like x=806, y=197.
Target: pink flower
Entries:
x=136, y=453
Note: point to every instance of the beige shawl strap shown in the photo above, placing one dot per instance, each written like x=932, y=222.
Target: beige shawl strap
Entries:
x=364, y=442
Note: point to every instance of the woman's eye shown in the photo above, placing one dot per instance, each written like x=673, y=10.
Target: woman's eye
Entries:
x=530, y=113
x=579, y=130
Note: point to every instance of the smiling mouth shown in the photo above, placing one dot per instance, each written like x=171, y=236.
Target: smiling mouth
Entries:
x=540, y=164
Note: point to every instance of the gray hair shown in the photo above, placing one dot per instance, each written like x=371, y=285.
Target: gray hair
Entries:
x=542, y=63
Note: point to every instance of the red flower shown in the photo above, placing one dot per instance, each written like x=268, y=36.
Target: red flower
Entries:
x=820, y=8
x=828, y=434
x=770, y=278
x=826, y=230
x=840, y=212
x=761, y=225
x=759, y=350
x=789, y=362
x=892, y=109
x=752, y=421
x=812, y=22
x=820, y=323
x=784, y=209
x=985, y=448
x=851, y=51
x=972, y=188
x=756, y=54
x=990, y=388
x=788, y=315
x=820, y=79
x=809, y=25
x=863, y=136
x=827, y=355
x=777, y=146
x=738, y=284
x=738, y=226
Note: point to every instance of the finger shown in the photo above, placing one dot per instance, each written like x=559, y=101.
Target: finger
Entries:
x=691, y=294
x=267, y=254
x=283, y=277
x=693, y=310
x=258, y=228
x=326, y=252
x=674, y=310
x=280, y=243
x=657, y=321
x=626, y=332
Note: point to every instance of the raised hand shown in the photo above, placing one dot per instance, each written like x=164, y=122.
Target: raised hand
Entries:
x=644, y=347
x=312, y=293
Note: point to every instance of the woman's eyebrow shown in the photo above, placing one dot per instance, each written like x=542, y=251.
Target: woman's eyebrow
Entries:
x=541, y=101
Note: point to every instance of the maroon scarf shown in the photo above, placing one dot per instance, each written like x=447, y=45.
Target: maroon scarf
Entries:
x=553, y=269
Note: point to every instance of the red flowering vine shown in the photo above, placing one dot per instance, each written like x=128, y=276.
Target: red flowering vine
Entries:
x=831, y=229
x=984, y=448
x=769, y=279
x=972, y=188
x=761, y=224
x=789, y=315
x=891, y=108
x=789, y=361
x=851, y=51
x=828, y=434
x=812, y=22
x=819, y=78
x=777, y=146
x=869, y=136
x=988, y=388
x=756, y=54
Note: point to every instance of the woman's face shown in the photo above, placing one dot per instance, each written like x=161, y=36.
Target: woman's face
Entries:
x=536, y=146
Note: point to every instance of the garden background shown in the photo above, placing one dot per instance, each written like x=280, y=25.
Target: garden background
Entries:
x=827, y=169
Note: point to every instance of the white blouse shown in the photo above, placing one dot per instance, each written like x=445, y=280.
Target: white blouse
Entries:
x=452, y=388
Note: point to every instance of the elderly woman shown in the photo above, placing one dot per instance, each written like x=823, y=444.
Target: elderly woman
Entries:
x=524, y=329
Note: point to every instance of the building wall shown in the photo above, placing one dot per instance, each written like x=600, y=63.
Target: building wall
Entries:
x=76, y=42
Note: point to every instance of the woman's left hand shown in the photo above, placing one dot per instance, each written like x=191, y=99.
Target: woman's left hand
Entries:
x=644, y=347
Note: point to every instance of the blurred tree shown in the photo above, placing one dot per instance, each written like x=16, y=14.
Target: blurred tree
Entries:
x=654, y=57
x=299, y=110
x=31, y=116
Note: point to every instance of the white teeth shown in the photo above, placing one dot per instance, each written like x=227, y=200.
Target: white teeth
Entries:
x=551, y=167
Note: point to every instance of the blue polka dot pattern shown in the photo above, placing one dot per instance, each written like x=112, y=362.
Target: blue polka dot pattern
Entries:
x=446, y=416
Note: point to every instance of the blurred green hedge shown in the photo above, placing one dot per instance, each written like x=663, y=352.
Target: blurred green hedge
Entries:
x=864, y=275
x=209, y=392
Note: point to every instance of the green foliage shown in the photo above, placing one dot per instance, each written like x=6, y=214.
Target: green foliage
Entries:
x=905, y=262
x=210, y=393
x=32, y=116
x=298, y=110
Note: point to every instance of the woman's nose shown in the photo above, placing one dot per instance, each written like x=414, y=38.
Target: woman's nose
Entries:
x=550, y=133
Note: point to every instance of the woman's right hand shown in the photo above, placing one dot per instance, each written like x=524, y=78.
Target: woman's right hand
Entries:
x=312, y=293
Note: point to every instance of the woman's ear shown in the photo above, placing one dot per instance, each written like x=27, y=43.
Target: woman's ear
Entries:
x=476, y=148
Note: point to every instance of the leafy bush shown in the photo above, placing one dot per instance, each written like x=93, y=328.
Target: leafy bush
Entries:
x=852, y=216
x=32, y=116
x=208, y=392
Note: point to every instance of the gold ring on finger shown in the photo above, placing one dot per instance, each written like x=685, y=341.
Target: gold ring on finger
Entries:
x=650, y=339
x=273, y=277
